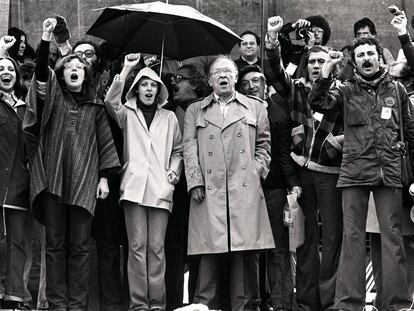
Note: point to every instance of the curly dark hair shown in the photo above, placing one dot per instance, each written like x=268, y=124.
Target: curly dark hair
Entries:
x=19, y=87
x=197, y=79
x=321, y=22
x=370, y=40
x=365, y=22
x=60, y=66
x=249, y=32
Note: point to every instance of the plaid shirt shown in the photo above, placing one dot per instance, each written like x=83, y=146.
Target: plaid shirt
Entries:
x=315, y=143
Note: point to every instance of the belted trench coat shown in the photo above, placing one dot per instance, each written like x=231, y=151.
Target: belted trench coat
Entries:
x=229, y=158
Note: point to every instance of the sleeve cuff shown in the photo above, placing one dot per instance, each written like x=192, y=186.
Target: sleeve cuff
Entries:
x=404, y=39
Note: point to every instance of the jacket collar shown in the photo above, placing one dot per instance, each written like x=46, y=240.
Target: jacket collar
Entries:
x=239, y=97
x=215, y=116
x=11, y=100
x=384, y=77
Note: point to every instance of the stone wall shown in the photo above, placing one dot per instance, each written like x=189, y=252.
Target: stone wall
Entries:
x=239, y=15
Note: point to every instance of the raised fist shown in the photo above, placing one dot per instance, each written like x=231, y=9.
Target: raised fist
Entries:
x=274, y=24
x=49, y=25
x=131, y=60
x=335, y=57
x=6, y=42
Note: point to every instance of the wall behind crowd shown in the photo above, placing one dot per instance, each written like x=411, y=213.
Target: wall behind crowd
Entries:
x=238, y=15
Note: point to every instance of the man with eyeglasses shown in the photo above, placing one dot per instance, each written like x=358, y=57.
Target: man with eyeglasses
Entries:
x=281, y=177
x=312, y=31
x=188, y=86
x=249, y=50
x=226, y=156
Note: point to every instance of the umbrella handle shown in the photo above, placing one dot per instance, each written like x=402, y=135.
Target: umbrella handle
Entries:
x=162, y=49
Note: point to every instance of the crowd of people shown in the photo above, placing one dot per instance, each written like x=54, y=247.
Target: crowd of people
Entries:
x=189, y=170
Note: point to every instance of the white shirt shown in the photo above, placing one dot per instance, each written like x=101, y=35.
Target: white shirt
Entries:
x=224, y=105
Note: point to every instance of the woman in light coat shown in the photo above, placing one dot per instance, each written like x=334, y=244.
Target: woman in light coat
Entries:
x=152, y=165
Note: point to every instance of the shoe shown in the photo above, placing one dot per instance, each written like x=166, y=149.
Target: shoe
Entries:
x=14, y=305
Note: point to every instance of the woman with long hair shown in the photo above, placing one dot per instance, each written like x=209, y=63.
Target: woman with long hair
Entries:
x=72, y=154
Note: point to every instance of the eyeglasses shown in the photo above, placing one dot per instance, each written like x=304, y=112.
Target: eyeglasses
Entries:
x=178, y=78
x=218, y=71
x=74, y=66
x=87, y=53
x=318, y=31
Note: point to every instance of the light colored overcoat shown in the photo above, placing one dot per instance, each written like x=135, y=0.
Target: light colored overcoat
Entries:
x=148, y=153
x=229, y=157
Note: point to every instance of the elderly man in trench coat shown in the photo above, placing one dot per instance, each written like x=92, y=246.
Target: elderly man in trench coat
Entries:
x=226, y=156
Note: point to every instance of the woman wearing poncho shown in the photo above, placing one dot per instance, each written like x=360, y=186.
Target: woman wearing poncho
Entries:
x=71, y=155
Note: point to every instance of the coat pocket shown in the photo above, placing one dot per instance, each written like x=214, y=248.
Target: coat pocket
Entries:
x=165, y=189
x=357, y=115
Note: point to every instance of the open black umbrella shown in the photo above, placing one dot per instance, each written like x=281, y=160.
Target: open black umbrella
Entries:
x=174, y=31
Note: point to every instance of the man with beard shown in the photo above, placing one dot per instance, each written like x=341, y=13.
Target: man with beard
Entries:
x=370, y=104
x=188, y=86
x=317, y=151
x=282, y=176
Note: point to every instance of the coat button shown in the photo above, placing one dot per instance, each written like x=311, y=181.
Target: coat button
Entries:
x=209, y=171
x=242, y=151
x=244, y=185
x=243, y=167
x=211, y=136
x=210, y=154
x=238, y=134
x=209, y=187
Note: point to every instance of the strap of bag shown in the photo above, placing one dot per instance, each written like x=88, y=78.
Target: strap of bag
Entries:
x=400, y=112
x=401, y=143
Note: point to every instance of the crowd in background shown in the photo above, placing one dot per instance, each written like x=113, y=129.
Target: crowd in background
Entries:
x=189, y=170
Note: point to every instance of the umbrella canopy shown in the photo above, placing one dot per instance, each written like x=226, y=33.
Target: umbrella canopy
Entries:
x=175, y=31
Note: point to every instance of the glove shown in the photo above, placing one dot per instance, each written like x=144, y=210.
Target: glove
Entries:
x=61, y=31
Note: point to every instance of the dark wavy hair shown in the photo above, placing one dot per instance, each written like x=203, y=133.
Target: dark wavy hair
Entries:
x=370, y=40
x=365, y=22
x=249, y=32
x=321, y=22
x=98, y=67
x=14, y=50
x=197, y=79
x=60, y=66
x=19, y=87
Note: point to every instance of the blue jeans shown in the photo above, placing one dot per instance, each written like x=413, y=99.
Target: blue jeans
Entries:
x=278, y=259
x=350, y=286
x=68, y=231
x=315, y=279
x=15, y=254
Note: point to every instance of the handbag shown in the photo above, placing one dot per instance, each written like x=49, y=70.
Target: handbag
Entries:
x=407, y=176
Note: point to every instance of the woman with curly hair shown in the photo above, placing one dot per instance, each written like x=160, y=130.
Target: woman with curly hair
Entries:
x=72, y=153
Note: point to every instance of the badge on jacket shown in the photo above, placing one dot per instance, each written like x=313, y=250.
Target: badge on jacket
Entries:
x=386, y=113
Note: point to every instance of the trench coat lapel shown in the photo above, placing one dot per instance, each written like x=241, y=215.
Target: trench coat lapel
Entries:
x=237, y=110
x=234, y=114
x=213, y=112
